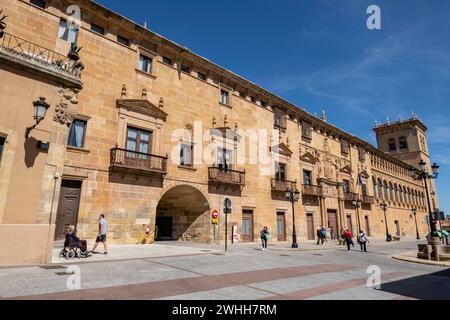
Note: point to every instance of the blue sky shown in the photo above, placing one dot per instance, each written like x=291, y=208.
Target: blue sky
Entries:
x=319, y=54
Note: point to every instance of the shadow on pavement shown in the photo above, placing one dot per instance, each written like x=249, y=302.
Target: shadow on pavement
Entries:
x=433, y=286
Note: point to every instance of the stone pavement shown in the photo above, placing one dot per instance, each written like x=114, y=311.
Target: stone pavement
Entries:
x=411, y=256
x=186, y=271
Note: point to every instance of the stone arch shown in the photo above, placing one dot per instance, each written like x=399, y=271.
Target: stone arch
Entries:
x=183, y=213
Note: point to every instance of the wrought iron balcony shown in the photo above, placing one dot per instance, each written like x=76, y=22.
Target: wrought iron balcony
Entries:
x=368, y=199
x=226, y=176
x=311, y=190
x=20, y=51
x=282, y=185
x=350, y=196
x=137, y=161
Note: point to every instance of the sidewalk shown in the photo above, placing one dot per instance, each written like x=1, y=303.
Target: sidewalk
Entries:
x=411, y=256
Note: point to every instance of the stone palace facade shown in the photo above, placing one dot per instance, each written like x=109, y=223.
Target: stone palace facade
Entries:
x=129, y=127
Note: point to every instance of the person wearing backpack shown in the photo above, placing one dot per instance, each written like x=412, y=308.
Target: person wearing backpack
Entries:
x=265, y=236
x=324, y=235
x=362, y=240
x=348, y=239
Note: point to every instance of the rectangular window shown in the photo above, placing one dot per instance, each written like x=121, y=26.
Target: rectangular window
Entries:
x=145, y=63
x=201, y=76
x=77, y=134
x=306, y=130
x=224, y=97
x=280, y=171
x=346, y=186
x=2, y=145
x=253, y=99
x=123, y=40
x=97, y=29
x=138, y=141
x=38, y=3
x=263, y=104
x=241, y=94
x=185, y=68
x=362, y=154
x=167, y=61
x=307, y=180
x=224, y=159
x=344, y=147
x=280, y=119
x=67, y=33
x=186, y=153
x=364, y=189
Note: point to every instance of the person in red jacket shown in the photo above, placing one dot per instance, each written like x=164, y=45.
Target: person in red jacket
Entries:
x=348, y=238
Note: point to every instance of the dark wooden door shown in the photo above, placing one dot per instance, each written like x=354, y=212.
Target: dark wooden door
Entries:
x=69, y=201
x=247, y=225
x=310, y=226
x=397, y=228
x=332, y=222
x=281, y=226
x=164, y=225
x=349, y=223
x=366, y=220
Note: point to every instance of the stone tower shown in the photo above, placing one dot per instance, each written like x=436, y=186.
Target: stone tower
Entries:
x=406, y=141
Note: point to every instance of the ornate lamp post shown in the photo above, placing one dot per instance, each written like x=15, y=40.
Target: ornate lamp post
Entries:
x=293, y=197
x=414, y=212
x=357, y=203
x=423, y=174
x=40, y=109
x=384, y=207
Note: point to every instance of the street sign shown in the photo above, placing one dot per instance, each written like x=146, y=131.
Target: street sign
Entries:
x=215, y=214
x=227, y=206
x=215, y=221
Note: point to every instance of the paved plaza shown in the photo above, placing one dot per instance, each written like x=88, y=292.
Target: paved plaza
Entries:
x=187, y=271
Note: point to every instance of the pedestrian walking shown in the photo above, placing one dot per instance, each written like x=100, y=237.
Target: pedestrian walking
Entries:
x=348, y=239
x=319, y=234
x=324, y=235
x=362, y=240
x=102, y=233
x=265, y=236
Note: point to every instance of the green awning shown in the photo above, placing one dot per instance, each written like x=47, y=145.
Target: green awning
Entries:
x=443, y=233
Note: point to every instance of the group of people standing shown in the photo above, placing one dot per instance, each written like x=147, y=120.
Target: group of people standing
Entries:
x=361, y=239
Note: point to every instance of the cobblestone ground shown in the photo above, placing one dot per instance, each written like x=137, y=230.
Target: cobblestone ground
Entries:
x=184, y=271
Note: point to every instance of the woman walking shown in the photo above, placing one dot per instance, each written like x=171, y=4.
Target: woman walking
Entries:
x=348, y=239
x=362, y=239
x=265, y=235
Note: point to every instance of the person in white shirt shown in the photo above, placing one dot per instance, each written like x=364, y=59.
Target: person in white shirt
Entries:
x=102, y=232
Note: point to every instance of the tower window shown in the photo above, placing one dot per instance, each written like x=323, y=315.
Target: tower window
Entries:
x=392, y=145
x=402, y=143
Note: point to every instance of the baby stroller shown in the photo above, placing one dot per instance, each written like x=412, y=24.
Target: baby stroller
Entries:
x=74, y=247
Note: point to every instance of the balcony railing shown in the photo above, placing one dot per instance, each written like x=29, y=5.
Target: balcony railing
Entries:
x=282, y=185
x=226, y=176
x=350, y=196
x=368, y=199
x=35, y=54
x=126, y=159
x=311, y=190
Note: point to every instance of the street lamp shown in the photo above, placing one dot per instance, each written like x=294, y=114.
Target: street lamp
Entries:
x=423, y=175
x=357, y=204
x=384, y=207
x=293, y=197
x=40, y=109
x=414, y=212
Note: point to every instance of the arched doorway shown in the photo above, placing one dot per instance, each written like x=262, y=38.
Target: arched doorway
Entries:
x=183, y=213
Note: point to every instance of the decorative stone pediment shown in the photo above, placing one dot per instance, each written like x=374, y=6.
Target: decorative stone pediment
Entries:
x=309, y=157
x=282, y=149
x=142, y=106
x=346, y=169
x=364, y=174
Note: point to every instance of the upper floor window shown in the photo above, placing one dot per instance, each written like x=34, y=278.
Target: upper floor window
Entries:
x=306, y=130
x=167, y=61
x=185, y=68
x=280, y=171
x=145, y=63
x=344, y=146
x=279, y=118
x=253, y=99
x=224, y=97
x=263, y=104
x=392, y=145
x=77, y=134
x=66, y=32
x=242, y=94
x=186, y=154
x=346, y=186
x=123, y=40
x=224, y=159
x=38, y=3
x=403, y=144
x=97, y=29
x=201, y=76
x=2, y=145
x=362, y=154
x=364, y=189
x=307, y=177
x=138, y=140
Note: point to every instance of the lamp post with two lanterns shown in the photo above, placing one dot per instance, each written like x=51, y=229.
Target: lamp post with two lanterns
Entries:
x=293, y=196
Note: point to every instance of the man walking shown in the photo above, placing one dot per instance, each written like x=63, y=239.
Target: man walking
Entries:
x=102, y=232
x=362, y=239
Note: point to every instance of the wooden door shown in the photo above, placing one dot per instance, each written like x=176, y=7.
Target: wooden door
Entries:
x=281, y=226
x=247, y=226
x=332, y=222
x=69, y=201
x=397, y=228
x=366, y=220
x=310, y=226
x=349, y=223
